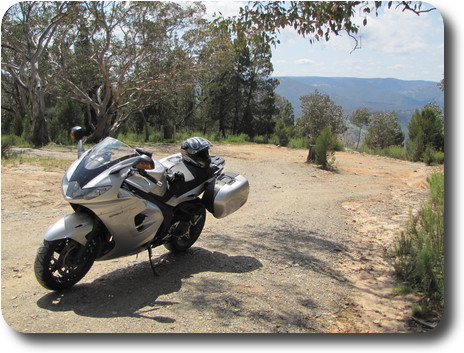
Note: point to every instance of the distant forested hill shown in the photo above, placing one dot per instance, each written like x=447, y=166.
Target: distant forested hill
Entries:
x=378, y=94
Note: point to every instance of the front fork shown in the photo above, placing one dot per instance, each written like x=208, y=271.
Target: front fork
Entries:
x=92, y=239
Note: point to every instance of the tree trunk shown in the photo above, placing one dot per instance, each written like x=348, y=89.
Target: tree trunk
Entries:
x=311, y=154
x=102, y=128
x=359, y=137
x=145, y=126
x=40, y=135
x=168, y=132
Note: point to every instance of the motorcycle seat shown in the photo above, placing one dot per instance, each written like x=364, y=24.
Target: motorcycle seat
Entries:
x=192, y=176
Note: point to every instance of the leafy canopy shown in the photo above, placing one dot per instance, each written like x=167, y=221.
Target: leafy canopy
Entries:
x=313, y=19
x=384, y=131
x=319, y=111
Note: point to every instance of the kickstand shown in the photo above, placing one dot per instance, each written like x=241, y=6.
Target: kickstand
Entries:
x=151, y=262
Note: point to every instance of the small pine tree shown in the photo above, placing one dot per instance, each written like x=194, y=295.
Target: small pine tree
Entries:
x=426, y=133
x=325, y=143
x=281, y=132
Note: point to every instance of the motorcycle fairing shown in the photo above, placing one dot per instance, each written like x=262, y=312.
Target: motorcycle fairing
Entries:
x=132, y=222
x=75, y=226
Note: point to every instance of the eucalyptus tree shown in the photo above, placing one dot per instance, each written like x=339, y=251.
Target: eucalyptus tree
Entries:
x=315, y=20
x=384, y=131
x=258, y=87
x=134, y=50
x=319, y=111
x=28, y=30
x=285, y=111
x=360, y=118
x=236, y=91
x=219, y=89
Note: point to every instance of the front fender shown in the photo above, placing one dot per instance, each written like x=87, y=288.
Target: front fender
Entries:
x=75, y=226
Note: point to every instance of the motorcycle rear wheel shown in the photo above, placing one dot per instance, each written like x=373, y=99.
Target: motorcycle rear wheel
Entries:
x=183, y=243
x=60, y=264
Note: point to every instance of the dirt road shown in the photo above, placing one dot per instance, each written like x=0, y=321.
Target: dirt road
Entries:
x=305, y=254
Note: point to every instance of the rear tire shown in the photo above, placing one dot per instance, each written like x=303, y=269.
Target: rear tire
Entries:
x=60, y=264
x=184, y=242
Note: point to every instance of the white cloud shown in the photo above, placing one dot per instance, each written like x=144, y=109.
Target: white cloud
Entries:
x=289, y=35
x=304, y=61
x=396, y=32
x=394, y=44
x=226, y=8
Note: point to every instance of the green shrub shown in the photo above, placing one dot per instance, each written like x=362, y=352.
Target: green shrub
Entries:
x=18, y=124
x=13, y=140
x=260, y=139
x=439, y=157
x=395, y=152
x=365, y=149
x=242, y=138
x=6, y=150
x=338, y=146
x=427, y=156
x=392, y=151
x=426, y=131
x=324, y=149
x=274, y=140
x=413, y=150
x=419, y=257
x=299, y=143
x=431, y=157
x=8, y=141
x=282, y=132
x=155, y=136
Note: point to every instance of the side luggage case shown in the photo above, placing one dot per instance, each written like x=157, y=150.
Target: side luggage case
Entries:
x=226, y=195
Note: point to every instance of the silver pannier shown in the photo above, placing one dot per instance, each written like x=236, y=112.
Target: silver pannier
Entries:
x=226, y=194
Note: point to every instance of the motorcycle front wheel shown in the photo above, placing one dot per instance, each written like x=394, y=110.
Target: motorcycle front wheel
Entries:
x=60, y=264
x=184, y=242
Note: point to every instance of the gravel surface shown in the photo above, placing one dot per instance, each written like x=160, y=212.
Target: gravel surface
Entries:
x=305, y=254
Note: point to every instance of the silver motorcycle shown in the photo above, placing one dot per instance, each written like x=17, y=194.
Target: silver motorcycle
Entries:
x=125, y=202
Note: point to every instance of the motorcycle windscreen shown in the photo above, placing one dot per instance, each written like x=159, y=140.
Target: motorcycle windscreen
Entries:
x=101, y=157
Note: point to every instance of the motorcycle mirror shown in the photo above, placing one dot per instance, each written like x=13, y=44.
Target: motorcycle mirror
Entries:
x=77, y=133
x=142, y=151
x=144, y=162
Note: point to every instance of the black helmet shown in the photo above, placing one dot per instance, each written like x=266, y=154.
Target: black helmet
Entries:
x=195, y=150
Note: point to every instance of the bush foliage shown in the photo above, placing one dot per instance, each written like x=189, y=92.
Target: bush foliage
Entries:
x=419, y=257
x=325, y=147
x=426, y=134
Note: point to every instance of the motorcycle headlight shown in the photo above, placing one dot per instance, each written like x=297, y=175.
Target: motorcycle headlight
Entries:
x=72, y=191
x=64, y=186
x=91, y=193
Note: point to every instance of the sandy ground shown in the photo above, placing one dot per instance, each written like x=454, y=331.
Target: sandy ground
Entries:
x=307, y=253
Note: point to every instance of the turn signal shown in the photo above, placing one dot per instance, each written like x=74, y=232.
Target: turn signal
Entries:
x=144, y=165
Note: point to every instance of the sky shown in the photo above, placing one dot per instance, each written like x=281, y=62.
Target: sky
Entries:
x=393, y=45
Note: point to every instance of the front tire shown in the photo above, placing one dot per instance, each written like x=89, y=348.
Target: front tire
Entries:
x=184, y=242
x=60, y=264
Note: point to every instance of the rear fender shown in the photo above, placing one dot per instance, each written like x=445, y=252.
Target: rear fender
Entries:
x=74, y=226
